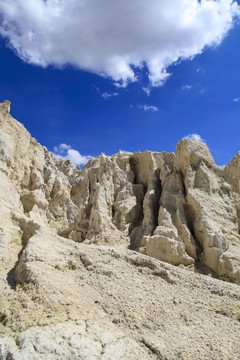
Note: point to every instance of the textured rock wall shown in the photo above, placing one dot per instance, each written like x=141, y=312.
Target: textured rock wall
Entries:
x=180, y=208
x=71, y=285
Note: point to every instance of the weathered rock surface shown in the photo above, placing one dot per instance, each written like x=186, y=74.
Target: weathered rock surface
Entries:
x=87, y=255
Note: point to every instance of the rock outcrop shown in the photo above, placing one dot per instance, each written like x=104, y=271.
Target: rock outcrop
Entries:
x=87, y=255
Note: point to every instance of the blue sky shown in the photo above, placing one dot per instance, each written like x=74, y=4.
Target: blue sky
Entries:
x=88, y=97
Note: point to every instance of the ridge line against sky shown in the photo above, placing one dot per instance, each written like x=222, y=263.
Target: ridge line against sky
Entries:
x=130, y=45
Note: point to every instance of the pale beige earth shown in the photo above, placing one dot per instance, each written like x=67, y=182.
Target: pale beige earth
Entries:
x=137, y=256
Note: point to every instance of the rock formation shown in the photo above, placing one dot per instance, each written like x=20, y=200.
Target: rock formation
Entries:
x=88, y=257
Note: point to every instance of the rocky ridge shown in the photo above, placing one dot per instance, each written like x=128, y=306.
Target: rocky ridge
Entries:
x=87, y=255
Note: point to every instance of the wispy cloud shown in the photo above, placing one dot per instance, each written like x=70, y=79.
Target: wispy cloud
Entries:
x=237, y=99
x=187, y=87
x=147, y=90
x=107, y=95
x=195, y=137
x=148, y=108
x=118, y=44
x=66, y=152
x=123, y=83
x=201, y=70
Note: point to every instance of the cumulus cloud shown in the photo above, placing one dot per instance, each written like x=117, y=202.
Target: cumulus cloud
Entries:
x=194, y=136
x=66, y=152
x=115, y=38
x=62, y=148
x=148, y=108
x=107, y=95
x=236, y=99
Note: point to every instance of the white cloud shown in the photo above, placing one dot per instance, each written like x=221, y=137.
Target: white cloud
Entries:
x=147, y=90
x=148, y=108
x=194, y=136
x=66, y=152
x=115, y=38
x=236, y=99
x=187, y=87
x=60, y=149
x=64, y=147
x=107, y=95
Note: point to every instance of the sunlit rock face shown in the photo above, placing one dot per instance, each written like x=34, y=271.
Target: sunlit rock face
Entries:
x=126, y=218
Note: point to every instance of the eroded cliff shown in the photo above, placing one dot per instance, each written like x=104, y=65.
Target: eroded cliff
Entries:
x=64, y=229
